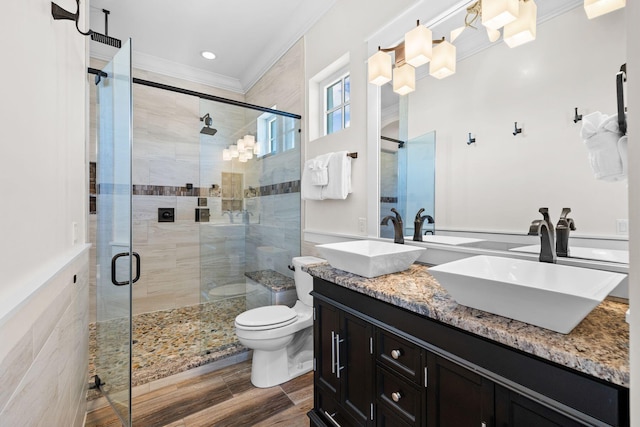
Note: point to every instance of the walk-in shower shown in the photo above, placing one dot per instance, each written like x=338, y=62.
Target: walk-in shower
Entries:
x=231, y=229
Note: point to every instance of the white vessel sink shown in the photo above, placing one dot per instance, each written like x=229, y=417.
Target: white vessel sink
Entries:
x=551, y=296
x=369, y=258
x=449, y=240
x=611, y=255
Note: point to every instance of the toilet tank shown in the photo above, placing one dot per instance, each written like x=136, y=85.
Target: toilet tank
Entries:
x=303, y=280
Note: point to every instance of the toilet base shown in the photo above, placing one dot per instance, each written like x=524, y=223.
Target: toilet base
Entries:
x=271, y=368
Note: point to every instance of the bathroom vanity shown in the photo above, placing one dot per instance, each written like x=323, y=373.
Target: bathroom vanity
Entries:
x=397, y=350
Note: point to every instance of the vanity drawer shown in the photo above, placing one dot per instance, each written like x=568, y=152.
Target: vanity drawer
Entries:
x=400, y=355
x=404, y=398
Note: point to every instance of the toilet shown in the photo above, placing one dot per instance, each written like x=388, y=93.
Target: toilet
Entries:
x=281, y=337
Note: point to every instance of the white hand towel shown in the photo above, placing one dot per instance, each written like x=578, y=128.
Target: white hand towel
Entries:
x=308, y=191
x=622, y=149
x=319, y=172
x=601, y=134
x=339, y=185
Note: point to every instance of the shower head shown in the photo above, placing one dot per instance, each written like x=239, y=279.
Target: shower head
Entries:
x=208, y=131
x=208, y=121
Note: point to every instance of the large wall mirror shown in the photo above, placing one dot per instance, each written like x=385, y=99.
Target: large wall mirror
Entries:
x=492, y=189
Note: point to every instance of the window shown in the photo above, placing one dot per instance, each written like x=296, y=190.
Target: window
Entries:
x=337, y=105
x=276, y=134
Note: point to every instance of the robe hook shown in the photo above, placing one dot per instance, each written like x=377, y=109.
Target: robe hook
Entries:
x=577, y=117
x=516, y=129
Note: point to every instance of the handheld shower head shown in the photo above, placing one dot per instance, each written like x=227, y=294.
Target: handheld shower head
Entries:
x=208, y=121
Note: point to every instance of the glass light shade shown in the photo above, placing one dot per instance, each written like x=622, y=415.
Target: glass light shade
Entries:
x=240, y=145
x=248, y=154
x=443, y=63
x=242, y=158
x=418, y=46
x=226, y=154
x=456, y=33
x=404, y=79
x=493, y=34
x=595, y=8
x=498, y=13
x=379, y=65
x=256, y=150
x=249, y=141
x=522, y=30
x=234, y=150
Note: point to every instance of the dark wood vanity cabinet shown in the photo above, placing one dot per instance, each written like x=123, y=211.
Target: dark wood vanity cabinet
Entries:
x=343, y=366
x=380, y=365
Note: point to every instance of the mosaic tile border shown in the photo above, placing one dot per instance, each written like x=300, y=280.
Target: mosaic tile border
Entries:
x=213, y=191
x=388, y=199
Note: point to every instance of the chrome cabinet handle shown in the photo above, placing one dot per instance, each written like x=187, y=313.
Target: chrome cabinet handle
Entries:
x=396, y=353
x=338, y=367
x=330, y=417
x=333, y=352
x=396, y=396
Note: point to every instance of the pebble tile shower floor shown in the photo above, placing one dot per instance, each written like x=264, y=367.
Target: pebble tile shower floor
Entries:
x=166, y=342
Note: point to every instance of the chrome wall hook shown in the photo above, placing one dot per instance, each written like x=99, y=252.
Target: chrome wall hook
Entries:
x=577, y=117
x=516, y=129
x=471, y=140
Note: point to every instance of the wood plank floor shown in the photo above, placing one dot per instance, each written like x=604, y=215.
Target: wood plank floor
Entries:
x=221, y=398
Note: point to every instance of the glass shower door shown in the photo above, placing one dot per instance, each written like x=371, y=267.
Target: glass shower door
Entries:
x=115, y=266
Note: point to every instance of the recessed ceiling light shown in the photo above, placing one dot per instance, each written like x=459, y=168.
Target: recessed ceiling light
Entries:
x=208, y=55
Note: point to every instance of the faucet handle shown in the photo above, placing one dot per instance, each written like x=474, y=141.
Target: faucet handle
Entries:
x=398, y=217
x=564, y=221
x=565, y=212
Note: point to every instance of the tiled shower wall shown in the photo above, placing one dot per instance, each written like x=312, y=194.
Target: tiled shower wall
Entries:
x=169, y=153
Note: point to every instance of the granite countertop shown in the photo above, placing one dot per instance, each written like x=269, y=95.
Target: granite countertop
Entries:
x=598, y=346
x=272, y=279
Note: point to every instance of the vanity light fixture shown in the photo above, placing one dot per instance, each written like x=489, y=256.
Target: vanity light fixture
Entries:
x=443, y=63
x=523, y=29
x=595, y=8
x=498, y=13
x=404, y=79
x=244, y=149
x=418, y=48
x=415, y=50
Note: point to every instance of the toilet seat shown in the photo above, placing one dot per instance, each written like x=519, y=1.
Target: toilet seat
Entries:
x=268, y=317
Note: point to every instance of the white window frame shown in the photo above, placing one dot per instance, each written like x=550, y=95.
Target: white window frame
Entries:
x=273, y=141
x=341, y=76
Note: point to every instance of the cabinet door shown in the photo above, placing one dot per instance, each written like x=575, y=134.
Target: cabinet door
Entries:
x=326, y=329
x=356, y=367
x=515, y=410
x=456, y=396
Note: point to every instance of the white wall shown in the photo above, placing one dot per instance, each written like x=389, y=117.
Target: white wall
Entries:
x=42, y=168
x=498, y=183
x=342, y=30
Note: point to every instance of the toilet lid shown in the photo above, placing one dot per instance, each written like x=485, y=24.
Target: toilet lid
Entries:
x=268, y=317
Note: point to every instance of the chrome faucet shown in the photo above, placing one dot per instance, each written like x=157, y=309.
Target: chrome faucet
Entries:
x=245, y=216
x=397, y=226
x=564, y=225
x=544, y=229
x=417, y=225
x=230, y=215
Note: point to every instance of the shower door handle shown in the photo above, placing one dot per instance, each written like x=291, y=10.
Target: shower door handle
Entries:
x=114, y=264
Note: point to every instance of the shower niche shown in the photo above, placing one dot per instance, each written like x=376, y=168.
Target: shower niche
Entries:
x=232, y=194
